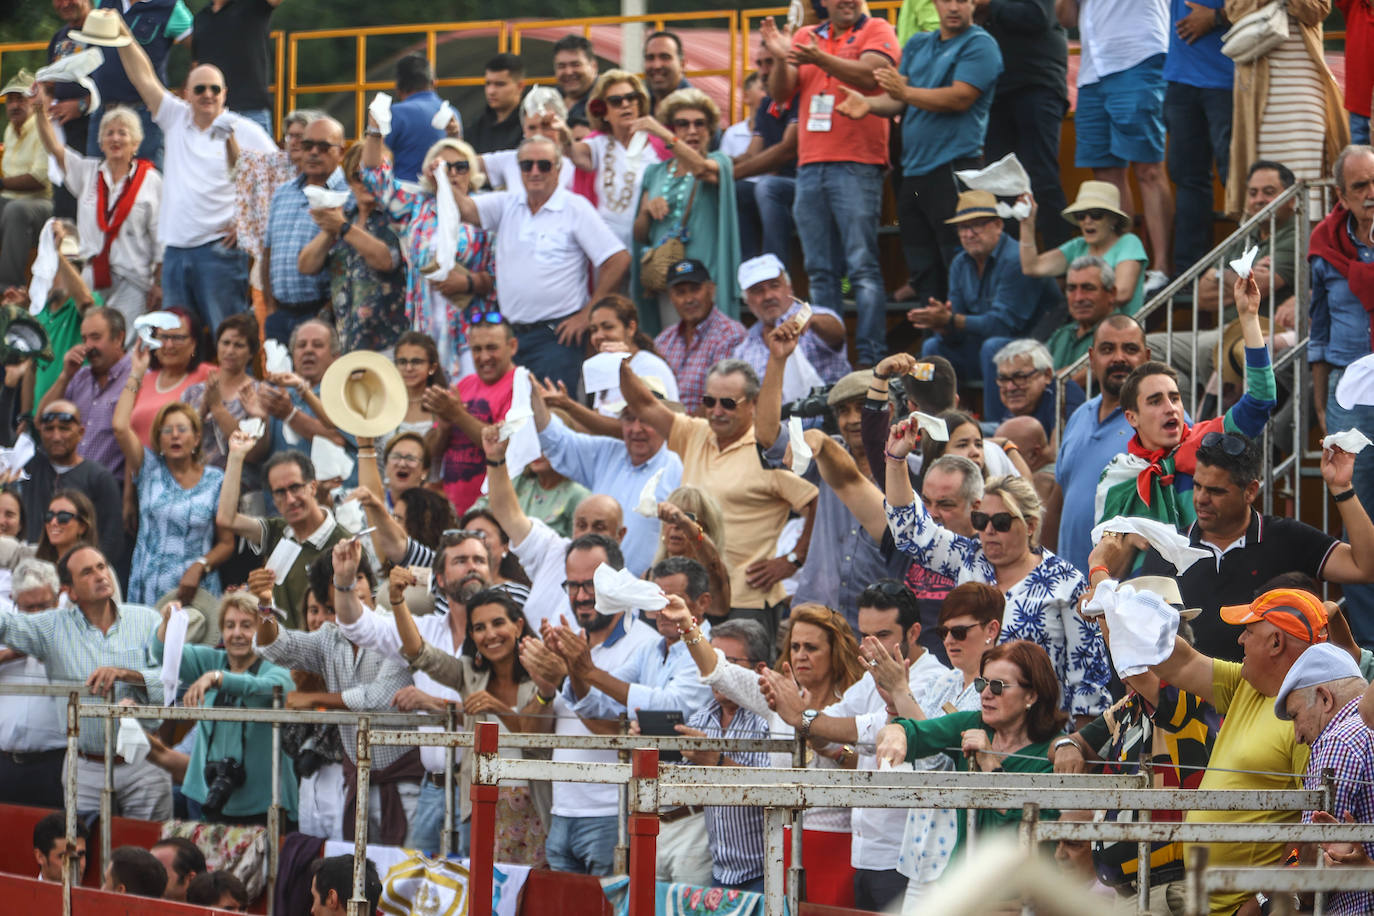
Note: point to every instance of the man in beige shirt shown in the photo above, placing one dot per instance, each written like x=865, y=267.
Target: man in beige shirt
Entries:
x=25, y=194
x=719, y=455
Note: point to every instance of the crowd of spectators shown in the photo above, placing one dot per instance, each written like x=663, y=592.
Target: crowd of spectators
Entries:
x=524, y=414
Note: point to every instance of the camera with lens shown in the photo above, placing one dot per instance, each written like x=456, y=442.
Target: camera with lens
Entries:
x=813, y=404
x=310, y=757
x=222, y=777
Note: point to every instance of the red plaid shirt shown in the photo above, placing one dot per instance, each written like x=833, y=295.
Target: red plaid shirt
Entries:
x=714, y=339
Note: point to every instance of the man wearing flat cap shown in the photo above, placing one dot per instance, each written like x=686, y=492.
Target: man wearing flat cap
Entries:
x=703, y=337
x=991, y=301
x=25, y=193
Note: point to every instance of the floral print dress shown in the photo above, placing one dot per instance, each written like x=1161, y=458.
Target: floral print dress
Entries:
x=175, y=525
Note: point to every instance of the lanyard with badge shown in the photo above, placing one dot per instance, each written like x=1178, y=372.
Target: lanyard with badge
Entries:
x=821, y=111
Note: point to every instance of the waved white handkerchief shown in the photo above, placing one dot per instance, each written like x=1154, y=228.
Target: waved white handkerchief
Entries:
x=324, y=198
x=1357, y=385
x=14, y=459
x=75, y=68
x=276, y=356
x=884, y=766
x=172, y=644
x=1171, y=545
x=602, y=371
x=1017, y=211
x=1143, y=625
x=44, y=269
x=330, y=460
x=1004, y=178
x=1350, y=441
x=349, y=514
x=648, y=495
x=524, y=440
x=380, y=109
x=146, y=326
x=801, y=451
x=638, y=143
x=1246, y=262
x=621, y=590
x=930, y=426
x=282, y=558
x=512, y=424
x=252, y=426
x=443, y=245
x=222, y=128
x=442, y=117
x=131, y=742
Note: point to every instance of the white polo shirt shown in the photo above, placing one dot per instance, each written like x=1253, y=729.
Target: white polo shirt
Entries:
x=542, y=258
x=195, y=174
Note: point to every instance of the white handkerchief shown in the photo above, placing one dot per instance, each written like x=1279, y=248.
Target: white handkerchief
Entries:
x=283, y=558
x=1171, y=545
x=252, y=426
x=602, y=371
x=380, y=109
x=1004, y=178
x=442, y=117
x=276, y=356
x=44, y=269
x=511, y=424
x=1143, y=625
x=443, y=244
x=324, y=198
x=75, y=68
x=621, y=590
x=15, y=459
x=648, y=496
x=637, y=144
x=801, y=451
x=330, y=460
x=524, y=440
x=222, y=128
x=172, y=645
x=803, y=315
x=349, y=514
x=147, y=325
x=884, y=766
x=1350, y=441
x=131, y=742
x=1245, y=263
x=933, y=427
x=1017, y=211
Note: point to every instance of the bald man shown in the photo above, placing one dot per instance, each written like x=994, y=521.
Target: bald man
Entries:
x=293, y=297
x=1028, y=437
x=202, y=266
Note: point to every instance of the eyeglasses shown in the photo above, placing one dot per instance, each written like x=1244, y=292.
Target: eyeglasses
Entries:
x=615, y=101
x=1233, y=444
x=1097, y=215
x=545, y=165
x=997, y=685
x=709, y=401
x=479, y=316
x=684, y=123
x=418, y=362
x=732, y=659
x=295, y=489
x=1017, y=379
x=173, y=338
x=58, y=416
x=959, y=633
x=61, y=516
x=459, y=167
x=572, y=588
x=202, y=88
x=181, y=429
x=1000, y=522
x=413, y=460
x=323, y=146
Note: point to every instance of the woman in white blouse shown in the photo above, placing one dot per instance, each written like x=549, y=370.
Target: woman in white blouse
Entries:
x=117, y=209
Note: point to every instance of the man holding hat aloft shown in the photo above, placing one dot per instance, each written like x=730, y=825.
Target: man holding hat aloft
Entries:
x=1321, y=697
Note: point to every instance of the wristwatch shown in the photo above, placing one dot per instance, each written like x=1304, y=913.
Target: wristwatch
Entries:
x=808, y=716
x=793, y=558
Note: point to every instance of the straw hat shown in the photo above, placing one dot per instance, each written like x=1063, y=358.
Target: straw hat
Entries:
x=1096, y=195
x=101, y=28
x=1166, y=588
x=363, y=394
x=21, y=82
x=1233, y=351
x=973, y=205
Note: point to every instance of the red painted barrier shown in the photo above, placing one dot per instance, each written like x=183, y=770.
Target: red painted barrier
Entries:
x=643, y=836
x=483, y=841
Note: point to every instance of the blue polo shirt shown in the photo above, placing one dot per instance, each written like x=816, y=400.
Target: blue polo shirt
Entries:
x=1201, y=63
x=1002, y=301
x=770, y=123
x=1085, y=449
x=930, y=139
x=412, y=134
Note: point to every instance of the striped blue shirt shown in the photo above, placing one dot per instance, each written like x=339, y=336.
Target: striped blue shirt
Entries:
x=289, y=229
x=72, y=647
x=735, y=831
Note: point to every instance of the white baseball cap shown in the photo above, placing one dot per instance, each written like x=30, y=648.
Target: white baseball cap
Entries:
x=756, y=270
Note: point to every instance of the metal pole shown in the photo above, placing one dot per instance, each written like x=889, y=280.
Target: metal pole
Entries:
x=484, y=797
x=643, y=828
x=107, y=793
x=357, y=905
x=1195, y=883
x=796, y=884
x=1329, y=786
x=1030, y=819
x=73, y=736
x=446, y=835
x=622, y=843
x=1142, y=870
x=774, y=897
x=274, y=812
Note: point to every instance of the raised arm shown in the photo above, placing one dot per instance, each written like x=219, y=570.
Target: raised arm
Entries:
x=1351, y=562
x=128, y=440
x=46, y=135
x=227, y=515
x=139, y=69
x=782, y=341
x=642, y=402
x=500, y=491
x=859, y=494
x=783, y=80
x=1035, y=263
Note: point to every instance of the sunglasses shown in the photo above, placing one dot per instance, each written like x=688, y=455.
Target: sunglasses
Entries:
x=481, y=316
x=61, y=516
x=58, y=416
x=460, y=167
x=545, y=165
x=615, y=101
x=202, y=88
x=959, y=633
x=1000, y=522
x=997, y=685
x=684, y=123
x=1098, y=215
x=323, y=146
x=1232, y=444
x=708, y=401
x=462, y=534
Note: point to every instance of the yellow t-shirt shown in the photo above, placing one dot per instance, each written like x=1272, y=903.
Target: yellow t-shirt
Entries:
x=1251, y=738
x=25, y=155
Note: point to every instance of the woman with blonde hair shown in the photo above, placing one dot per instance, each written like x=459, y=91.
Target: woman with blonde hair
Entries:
x=437, y=307
x=1042, y=591
x=694, y=527
x=690, y=197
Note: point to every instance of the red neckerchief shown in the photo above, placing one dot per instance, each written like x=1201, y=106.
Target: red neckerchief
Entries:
x=1184, y=455
x=110, y=219
x=1331, y=242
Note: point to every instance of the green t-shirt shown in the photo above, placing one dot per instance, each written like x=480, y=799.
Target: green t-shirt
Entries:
x=63, y=327
x=290, y=595
x=1127, y=248
x=1065, y=345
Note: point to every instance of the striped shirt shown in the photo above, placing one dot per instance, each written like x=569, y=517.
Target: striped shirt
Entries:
x=1346, y=747
x=72, y=647
x=418, y=554
x=736, y=832
x=367, y=679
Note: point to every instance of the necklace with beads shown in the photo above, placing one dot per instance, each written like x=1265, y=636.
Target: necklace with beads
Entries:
x=617, y=200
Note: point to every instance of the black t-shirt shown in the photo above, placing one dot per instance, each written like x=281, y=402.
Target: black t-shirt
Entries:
x=489, y=135
x=235, y=39
x=1034, y=46
x=1272, y=546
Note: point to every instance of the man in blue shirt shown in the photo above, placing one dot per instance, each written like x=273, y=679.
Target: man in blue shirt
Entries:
x=412, y=133
x=766, y=175
x=943, y=91
x=1197, y=113
x=990, y=300
x=1096, y=433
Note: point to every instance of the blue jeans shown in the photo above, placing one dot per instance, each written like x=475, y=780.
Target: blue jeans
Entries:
x=765, y=216
x=150, y=148
x=259, y=116
x=754, y=885
x=282, y=322
x=541, y=353
x=585, y=845
x=840, y=203
x=971, y=357
x=428, y=822
x=1199, y=122
x=210, y=280
x=1359, y=128
x=1359, y=599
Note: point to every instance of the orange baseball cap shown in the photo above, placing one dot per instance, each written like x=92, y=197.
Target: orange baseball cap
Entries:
x=1296, y=612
